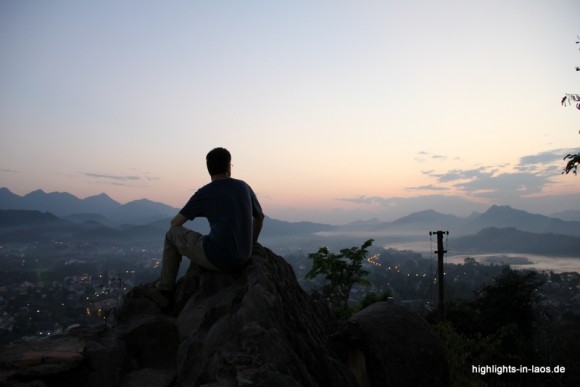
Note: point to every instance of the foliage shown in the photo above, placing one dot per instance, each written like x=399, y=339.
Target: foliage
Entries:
x=463, y=352
x=570, y=99
x=344, y=312
x=371, y=298
x=510, y=299
x=572, y=164
x=341, y=271
x=573, y=159
x=497, y=327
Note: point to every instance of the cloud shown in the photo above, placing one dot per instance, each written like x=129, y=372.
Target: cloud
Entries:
x=547, y=157
x=424, y=156
x=549, y=162
x=385, y=202
x=503, y=183
x=429, y=187
x=124, y=180
x=473, y=189
x=5, y=170
x=460, y=174
x=493, y=184
x=111, y=177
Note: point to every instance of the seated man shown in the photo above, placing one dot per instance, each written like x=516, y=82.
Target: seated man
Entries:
x=235, y=219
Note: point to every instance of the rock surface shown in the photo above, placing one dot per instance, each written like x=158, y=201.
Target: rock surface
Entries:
x=256, y=327
x=399, y=347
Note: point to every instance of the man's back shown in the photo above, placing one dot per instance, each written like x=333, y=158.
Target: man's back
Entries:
x=229, y=205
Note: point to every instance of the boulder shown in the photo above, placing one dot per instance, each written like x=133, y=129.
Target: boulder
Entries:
x=255, y=327
x=41, y=357
x=396, y=346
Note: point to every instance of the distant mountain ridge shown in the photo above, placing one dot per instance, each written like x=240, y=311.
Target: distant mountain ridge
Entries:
x=143, y=220
x=495, y=216
x=141, y=211
x=510, y=240
x=505, y=216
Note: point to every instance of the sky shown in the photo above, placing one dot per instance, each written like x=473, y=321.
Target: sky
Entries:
x=333, y=111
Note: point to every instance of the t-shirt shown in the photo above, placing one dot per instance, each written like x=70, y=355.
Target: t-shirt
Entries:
x=229, y=206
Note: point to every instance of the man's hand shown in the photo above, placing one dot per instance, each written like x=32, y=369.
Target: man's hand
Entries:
x=178, y=220
x=258, y=222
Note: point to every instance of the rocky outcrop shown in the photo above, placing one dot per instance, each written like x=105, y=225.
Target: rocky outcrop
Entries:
x=256, y=327
x=397, y=346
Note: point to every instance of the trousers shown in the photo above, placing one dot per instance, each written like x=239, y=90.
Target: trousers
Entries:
x=181, y=242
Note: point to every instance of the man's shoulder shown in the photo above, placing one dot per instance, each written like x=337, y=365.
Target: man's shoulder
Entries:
x=231, y=182
x=228, y=183
x=238, y=182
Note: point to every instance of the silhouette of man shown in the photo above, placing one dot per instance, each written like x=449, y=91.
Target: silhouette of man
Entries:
x=235, y=219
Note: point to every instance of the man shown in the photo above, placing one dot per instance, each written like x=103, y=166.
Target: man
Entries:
x=235, y=219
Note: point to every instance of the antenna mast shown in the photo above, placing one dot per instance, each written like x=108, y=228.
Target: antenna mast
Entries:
x=440, y=271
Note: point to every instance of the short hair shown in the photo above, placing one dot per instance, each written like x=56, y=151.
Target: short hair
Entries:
x=218, y=161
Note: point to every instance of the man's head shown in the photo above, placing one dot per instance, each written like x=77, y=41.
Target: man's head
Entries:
x=218, y=161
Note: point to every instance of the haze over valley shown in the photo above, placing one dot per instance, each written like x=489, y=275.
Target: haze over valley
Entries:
x=499, y=229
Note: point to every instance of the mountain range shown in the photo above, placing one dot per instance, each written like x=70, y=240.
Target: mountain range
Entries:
x=495, y=216
x=100, y=218
x=141, y=211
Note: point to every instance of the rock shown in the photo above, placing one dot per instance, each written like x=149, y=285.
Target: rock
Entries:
x=41, y=357
x=397, y=348
x=255, y=327
x=149, y=377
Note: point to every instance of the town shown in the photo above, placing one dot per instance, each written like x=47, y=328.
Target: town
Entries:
x=46, y=289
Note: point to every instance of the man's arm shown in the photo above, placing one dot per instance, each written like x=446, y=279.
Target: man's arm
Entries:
x=178, y=220
x=258, y=222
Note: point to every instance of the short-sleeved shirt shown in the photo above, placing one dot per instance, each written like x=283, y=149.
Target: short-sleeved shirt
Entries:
x=229, y=206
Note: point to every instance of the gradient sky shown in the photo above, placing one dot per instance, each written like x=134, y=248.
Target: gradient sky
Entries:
x=333, y=110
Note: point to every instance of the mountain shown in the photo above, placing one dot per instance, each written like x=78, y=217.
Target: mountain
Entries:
x=102, y=218
x=101, y=203
x=505, y=216
x=10, y=219
x=30, y=227
x=422, y=222
x=82, y=218
x=573, y=215
x=55, y=202
x=278, y=228
x=8, y=200
x=505, y=240
x=142, y=212
x=427, y=220
x=64, y=204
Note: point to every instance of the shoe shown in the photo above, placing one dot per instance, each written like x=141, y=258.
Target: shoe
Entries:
x=158, y=296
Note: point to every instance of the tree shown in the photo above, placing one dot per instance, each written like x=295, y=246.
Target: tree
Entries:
x=572, y=164
x=510, y=299
x=341, y=271
x=573, y=159
x=499, y=326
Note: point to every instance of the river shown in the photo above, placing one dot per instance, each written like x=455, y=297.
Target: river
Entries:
x=514, y=259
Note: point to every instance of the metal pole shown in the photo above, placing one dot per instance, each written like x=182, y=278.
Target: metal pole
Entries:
x=441, y=273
